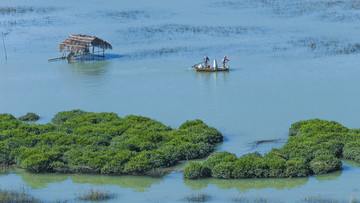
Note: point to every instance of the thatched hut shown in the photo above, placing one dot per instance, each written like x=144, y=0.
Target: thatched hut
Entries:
x=80, y=46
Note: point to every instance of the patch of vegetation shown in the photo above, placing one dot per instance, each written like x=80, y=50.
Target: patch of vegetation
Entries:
x=326, y=199
x=327, y=46
x=13, y=10
x=20, y=195
x=29, y=117
x=245, y=199
x=126, y=15
x=84, y=142
x=63, y=116
x=321, y=9
x=325, y=164
x=151, y=31
x=94, y=194
x=314, y=147
x=196, y=170
x=24, y=10
x=196, y=197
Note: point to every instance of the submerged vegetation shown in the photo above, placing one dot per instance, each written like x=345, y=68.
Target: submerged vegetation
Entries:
x=339, y=10
x=314, y=147
x=23, y=195
x=79, y=141
x=94, y=194
x=327, y=46
x=126, y=15
x=244, y=199
x=196, y=197
x=326, y=199
x=159, y=31
x=24, y=10
x=20, y=195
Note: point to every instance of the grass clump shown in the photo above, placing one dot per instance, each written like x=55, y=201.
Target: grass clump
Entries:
x=94, y=194
x=326, y=199
x=245, y=199
x=314, y=147
x=17, y=195
x=83, y=142
x=196, y=197
x=29, y=117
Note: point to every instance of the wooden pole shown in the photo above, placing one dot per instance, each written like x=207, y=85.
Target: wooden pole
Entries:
x=4, y=45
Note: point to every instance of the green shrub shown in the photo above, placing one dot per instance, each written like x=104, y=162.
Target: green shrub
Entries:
x=352, y=150
x=250, y=167
x=296, y=167
x=223, y=170
x=253, y=154
x=160, y=158
x=117, y=163
x=313, y=146
x=316, y=126
x=325, y=164
x=29, y=117
x=218, y=157
x=39, y=162
x=138, y=165
x=276, y=167
x=63, y=116
x=189, y=124
x=8, y=122
x=4, y=154
x=196, y=170
x=60, y=167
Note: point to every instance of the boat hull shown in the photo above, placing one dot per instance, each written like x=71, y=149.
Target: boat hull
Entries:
x=211, y=69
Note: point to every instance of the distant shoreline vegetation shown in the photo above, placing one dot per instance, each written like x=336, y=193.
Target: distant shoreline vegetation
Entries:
x=82, y=142
x=314, y=147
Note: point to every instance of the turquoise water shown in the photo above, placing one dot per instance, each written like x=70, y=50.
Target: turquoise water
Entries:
x=297, y=61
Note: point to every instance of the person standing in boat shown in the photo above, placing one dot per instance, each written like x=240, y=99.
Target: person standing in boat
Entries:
x=206, y=60
x=224, y=61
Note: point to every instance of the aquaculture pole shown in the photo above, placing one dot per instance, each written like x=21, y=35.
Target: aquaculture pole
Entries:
x=4, y=45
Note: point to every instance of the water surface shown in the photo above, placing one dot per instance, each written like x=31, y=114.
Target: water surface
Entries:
x=290, y=61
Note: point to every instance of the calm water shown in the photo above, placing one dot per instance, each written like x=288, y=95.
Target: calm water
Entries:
x=298, y=60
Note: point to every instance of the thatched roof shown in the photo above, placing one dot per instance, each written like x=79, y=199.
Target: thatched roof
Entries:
x=77, y=43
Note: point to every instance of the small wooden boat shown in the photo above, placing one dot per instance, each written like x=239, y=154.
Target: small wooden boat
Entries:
x=209, y=69
x=215, y=68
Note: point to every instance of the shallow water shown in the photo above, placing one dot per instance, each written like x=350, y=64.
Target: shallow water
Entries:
x=296, y=62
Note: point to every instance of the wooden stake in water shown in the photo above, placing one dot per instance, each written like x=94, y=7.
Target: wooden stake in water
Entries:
x=4, y=45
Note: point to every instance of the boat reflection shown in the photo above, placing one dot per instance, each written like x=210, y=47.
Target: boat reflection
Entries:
x=207, y=76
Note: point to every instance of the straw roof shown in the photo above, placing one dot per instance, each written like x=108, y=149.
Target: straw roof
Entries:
x=77, y=43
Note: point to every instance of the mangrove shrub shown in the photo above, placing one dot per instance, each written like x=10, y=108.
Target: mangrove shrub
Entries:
x=85, y=142
x=29, y=117
x=314, y=147
x=325, y=164
x=196, y=170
